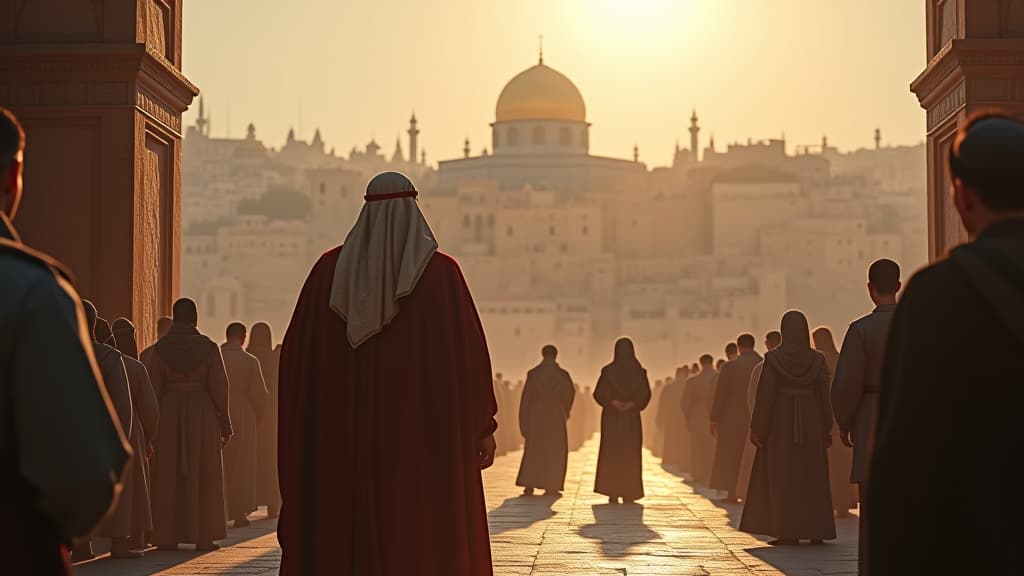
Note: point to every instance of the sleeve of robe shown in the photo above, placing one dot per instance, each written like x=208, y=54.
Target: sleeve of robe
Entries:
x=69, y=446
x=570, y=394
x=217, y=386
x=120, y=392
x=755, y=376
x=848, y=384
x=603, y=391
x=258, y=393
x=721, y=397
x=767, y=387
x=524, y=406
x=146, y=405
x=478, y=359
x=643, y=397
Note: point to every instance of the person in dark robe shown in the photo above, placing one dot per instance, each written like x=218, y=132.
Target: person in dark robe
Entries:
x=857, y=382
x=771, y=342
x=118, y=525
x=950, y=400
x=187, y=371
x=623, y=392
x=676, y=443
x=386, y=406
x=147, y=419
x=730, y=418
x=247, y=399
x=163, y=326
x=732, y=351
x=261, y=345
x=543, y=412
x=62, y=451
x=840, y=456
x=789, y=496
x=696, y=405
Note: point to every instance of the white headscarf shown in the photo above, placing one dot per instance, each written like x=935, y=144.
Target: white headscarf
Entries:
x=383, y=257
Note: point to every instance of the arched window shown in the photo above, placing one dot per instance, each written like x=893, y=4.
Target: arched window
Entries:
x=564, y=136
x=513, y=136
x=538, y=135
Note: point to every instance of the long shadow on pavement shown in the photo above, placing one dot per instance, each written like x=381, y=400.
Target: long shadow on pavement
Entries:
x=156, y=561
x=619, y=527
x=520, y=512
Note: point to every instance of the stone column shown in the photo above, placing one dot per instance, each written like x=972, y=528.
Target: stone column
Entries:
x=975, y=62
x=98, y=86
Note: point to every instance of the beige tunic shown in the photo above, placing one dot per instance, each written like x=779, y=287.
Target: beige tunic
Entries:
x=187, y=471
x=147, y=418
x=248, y=393
x=696, y=403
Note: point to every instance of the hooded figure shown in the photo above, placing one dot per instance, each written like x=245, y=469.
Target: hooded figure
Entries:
x=623, y=391
x=789, y=496
x=386, y=407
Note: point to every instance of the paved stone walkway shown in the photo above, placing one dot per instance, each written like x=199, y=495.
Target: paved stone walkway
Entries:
x=674, y=530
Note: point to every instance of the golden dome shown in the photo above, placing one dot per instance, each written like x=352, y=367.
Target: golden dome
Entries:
x=540, y=93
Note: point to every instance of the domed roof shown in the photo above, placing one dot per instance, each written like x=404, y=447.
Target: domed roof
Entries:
x=540, y=93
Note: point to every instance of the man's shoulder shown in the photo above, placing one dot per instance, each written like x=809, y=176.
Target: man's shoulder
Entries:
x=32, y=262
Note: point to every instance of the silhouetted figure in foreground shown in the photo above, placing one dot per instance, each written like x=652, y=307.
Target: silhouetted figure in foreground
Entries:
x=948, y=443
x=840, y=456
x=147, y=421
x=730, y=418
x=61, y=451
x=188, y=375
x=119, y=525
x=698, y=395
x=547, y=401
x=791, y=426
x=247, y=400
x=623, y=391
x=857, y=382
x=261, y=345
x=676, y=443
x=387, y=405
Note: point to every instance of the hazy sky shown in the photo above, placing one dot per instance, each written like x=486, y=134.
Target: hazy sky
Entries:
x=752, y=68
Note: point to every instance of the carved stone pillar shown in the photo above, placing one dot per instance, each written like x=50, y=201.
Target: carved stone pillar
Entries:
x=98, y=86
x=976, y=62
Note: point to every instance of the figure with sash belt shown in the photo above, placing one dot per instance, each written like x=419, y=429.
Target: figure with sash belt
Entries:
x=789, y=496
x=188, y=375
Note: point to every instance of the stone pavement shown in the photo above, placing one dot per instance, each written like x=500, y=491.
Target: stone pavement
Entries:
x=674, y=530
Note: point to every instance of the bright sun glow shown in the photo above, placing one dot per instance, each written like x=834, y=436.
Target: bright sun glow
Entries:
x=643, y=24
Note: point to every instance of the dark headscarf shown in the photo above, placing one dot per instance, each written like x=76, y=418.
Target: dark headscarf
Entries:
x=261, y=340
x=103, y=333
x=124, y=334
x=183, y=348
x=794, y=358
x=627, y=375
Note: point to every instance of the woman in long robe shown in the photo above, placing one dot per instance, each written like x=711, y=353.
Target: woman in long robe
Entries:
x=840, y=456
x=261, y=345
x=789, y=496
x=623, y=392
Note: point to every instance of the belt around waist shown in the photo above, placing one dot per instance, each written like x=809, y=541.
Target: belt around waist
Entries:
x=796, y=391
x=185, y=387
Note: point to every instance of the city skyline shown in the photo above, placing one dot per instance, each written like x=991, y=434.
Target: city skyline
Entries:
x=640, y=88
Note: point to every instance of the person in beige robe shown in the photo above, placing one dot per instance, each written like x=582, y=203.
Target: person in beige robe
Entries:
x=675, y=441
x=118, y=525
x=147, y=419
x=188, y=375
x=268, y=492
x=840, y=456
x=248, y=394
x=696, y=404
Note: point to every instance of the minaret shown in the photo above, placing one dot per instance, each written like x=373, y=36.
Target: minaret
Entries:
x=878, y=136
x=201, y=122
x=414, y=134
x=465, y=148
x=398, y=156
x=824, y=144
x=694, y=136
x=423, y=157
x=636, y=153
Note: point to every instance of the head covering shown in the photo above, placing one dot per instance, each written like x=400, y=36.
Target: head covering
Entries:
x=124, y=334
x=103, y=333
x=383, y=257
x=260, y=339
x=794, y=358
x=627, y=375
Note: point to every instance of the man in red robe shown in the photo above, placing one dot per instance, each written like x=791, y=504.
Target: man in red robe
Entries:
x=386, y=406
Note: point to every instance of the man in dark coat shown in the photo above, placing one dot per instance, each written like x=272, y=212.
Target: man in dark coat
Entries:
x=730, y=417
x=951, y=396
x=543, y=412
x=61, y=450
